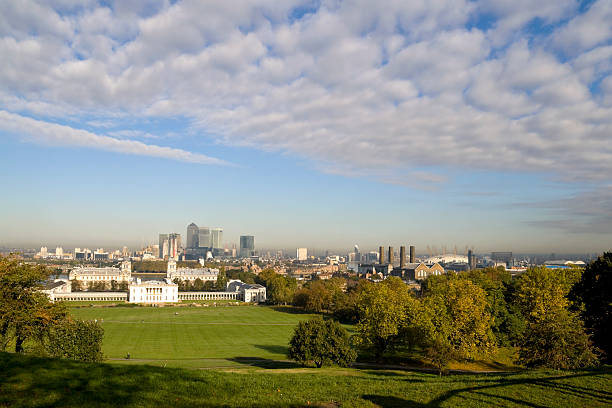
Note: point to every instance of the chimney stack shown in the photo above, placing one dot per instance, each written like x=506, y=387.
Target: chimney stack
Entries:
x=391, y=254
x=381, y=255
x=412, y=258
x=402, y=257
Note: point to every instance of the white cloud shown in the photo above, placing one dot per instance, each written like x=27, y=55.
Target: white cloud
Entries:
x=587, y=30
x=60, y=135
x=391, y=86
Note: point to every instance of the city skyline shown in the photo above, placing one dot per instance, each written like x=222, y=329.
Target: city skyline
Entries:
x=308, y=123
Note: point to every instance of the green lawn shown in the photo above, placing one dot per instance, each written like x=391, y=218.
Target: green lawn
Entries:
x=194, y=336
x=35, y=382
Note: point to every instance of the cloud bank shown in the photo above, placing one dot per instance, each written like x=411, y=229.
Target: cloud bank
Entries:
x=389, y=86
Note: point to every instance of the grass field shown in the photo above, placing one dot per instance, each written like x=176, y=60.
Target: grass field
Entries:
x=35, y=382
x=194, y=336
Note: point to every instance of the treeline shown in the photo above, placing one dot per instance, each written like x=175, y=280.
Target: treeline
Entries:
x=29, y=322
x=98, y=286
x=556, y=318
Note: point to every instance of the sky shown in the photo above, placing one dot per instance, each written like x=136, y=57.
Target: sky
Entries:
x=319, y=124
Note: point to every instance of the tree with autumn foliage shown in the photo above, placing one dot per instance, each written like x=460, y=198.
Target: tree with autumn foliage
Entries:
x=29, y=321
x=555, y=336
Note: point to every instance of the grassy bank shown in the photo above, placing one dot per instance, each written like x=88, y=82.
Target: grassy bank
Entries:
x=29, y=381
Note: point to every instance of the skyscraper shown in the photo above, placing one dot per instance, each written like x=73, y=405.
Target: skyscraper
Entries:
x=302, y=254
x=204, y=237
x=192, y=236
x=163, y=238
x=216, y=238
x=247, y=245
x=169, y=245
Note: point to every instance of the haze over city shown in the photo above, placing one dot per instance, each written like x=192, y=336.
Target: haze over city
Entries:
x=308, y=123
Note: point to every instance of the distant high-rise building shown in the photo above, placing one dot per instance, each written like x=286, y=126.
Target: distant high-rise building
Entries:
x=163, y=241
x=169, y=245
x=402, y=257
x=357, y=254
x=192, y=236
x=43, y=252
x=471, y=260
x=216, y=238
x=412, y=258
x=391, y=255
x=381, y=254
x=302, y=254
x=204, y=240
x=59, y=252
x=247, y=245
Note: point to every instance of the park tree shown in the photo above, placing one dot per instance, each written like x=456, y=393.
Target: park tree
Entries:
x=264, y=276
x=76, y=285
x=221, y=279
x=557, y=340
x=507, y=321
x=198, y=284
x=74, y=339
x=555, y=336
x=321, y=342
x=280, y=289
x=382, y=315
x=455, y=322
x=593, y=295
x=23, y=308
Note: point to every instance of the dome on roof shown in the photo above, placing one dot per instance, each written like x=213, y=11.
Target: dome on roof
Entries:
x=447, y=258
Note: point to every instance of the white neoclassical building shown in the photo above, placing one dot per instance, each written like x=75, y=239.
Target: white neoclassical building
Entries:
x=108, y=274
x=248, y=292
x=153, y=291
x=191, y=274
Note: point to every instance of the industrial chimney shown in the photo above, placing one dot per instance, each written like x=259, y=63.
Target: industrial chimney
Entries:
x=412, y=258
x=381, y=255
x=391, y=256
x=402, y=257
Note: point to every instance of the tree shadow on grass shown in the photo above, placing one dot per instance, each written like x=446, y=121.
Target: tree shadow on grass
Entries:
x=273, y=348
x=265, y=363
x=290, y=309
x=496, y=391
x=43, y=382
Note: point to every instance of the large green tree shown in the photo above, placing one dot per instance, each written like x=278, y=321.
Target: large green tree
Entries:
x=321, y=342
x=555, y=336
x=593, y=293
x=456, y=321
x=24, y=309
x=221, y=279
x=382, y=315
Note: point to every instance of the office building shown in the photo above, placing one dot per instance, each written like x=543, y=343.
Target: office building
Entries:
x=302, y=254
x=216, y=238
x=169, y=245
x=192, y=236
x=247, y=246
x=204, y=240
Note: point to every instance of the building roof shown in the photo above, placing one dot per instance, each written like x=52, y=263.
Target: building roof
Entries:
x=97, y=271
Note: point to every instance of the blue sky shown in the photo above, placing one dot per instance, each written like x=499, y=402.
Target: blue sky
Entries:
x=319, y=124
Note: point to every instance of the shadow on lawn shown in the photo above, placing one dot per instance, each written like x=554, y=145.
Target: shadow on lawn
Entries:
x=492, y=391
x=290, y=309
x=273, y=348
x=42, y=382
x=264, y=363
